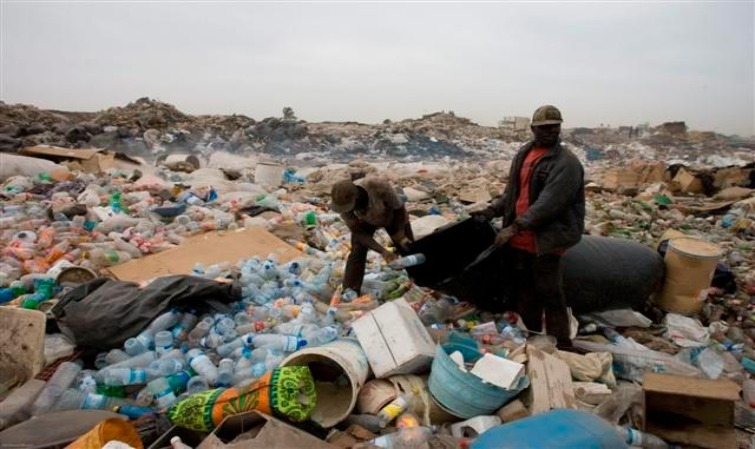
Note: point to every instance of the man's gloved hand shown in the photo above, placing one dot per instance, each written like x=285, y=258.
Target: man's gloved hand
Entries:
x=482, y=216
x=505, y=235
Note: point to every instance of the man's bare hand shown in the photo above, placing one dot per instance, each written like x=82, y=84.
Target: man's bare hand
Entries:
x=504, y=235
x=389, y=256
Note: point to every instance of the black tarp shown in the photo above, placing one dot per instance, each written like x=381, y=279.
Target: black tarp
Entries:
x=103, y=313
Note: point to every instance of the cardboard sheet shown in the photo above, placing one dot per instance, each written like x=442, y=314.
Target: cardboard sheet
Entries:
x=206, y=249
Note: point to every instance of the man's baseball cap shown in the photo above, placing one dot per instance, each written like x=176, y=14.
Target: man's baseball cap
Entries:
x=546, y=115
x=344, y=196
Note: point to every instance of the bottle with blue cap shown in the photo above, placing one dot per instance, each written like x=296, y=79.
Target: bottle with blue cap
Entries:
x=203, y=366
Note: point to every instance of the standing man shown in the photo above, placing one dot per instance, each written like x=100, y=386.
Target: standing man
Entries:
x=543, y=210
x=365, y=206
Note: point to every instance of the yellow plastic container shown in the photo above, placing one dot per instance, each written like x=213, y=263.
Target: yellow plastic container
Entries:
x=113, y=429
x=690, y=265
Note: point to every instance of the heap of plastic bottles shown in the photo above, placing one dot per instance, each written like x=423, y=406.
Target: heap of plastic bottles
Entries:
x=103, y=222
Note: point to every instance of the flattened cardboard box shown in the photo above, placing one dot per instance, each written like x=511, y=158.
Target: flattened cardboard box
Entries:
x=395, y=340
x=254, y=430
x=206, y=249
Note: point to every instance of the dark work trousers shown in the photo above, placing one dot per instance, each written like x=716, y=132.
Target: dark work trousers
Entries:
x=355, y=264
x=538, y=288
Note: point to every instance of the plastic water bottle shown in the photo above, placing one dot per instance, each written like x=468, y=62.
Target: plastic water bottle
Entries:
x=408, y=261
x=435, y=311
x=181, y=330
x=141, y=360
x=200, y=330
x=115, y=202
x=163, y=394
x=164, y=321
x=225, y=325
x=132, y=411
x=308, y=314
x=197, y=384
x=513, y=334
x=225, y=350
x=203, y=366
x=295, y=329
x=176, y=443
x=78, y=400
x=285, y=343
x=135, y=347
x=166, y=366
x=637, y=438
x=163, y=342
x=116, y=356
x=180, y=380
x=748, y=392
x=225, y=372
x=125, y=376
x=408, y=438
x=322, y=336
x=60, y=381
x=88, y=384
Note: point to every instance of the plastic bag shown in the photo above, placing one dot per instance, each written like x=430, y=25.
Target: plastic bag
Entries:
x=288, y=391
x=57, y=346
x=686, y=332
x=590, y=367
x=620, y=318
x=631, y=364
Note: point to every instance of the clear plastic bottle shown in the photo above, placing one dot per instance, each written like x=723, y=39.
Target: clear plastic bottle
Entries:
x=226, y=349
x=637, y=438
x=78, y=400
x=137, y=361
x=285, y=343
x=181, y=330
x=225, y=372
x=203, y=366
x=162, y=392
x=134, y=347
x=167, y=366
x=176, y=443
x=163, y=342
x=61, y=380
x=408, y=261
x=409, y=438
x=124, y=376
x=164, y=322
x=322, y=336
x=116, y=356
x=200, y=330
x=435, y=311
x=197, y=384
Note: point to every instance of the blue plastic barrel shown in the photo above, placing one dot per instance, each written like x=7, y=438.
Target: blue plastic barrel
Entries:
x=557, y=429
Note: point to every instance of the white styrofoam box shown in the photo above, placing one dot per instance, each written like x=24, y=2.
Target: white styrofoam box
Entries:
x=395, y=340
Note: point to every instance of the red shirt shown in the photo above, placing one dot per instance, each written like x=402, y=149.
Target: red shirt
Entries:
x=525, y=240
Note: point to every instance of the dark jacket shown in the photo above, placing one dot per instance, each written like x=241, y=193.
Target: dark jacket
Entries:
x=557, y=199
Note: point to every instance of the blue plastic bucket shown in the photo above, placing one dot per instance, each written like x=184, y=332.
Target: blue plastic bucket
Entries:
x=462, y=394
x=557, y=429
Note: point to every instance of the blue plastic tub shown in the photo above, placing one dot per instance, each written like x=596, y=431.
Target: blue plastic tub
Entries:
x=557, y=429
x=462, y=394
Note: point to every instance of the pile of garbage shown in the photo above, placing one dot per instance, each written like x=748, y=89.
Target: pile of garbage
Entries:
x=196, y=302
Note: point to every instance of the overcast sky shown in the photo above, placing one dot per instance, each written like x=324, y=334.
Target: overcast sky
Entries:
x=615, y=63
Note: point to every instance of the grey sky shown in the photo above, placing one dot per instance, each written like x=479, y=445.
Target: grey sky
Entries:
x=615, y=63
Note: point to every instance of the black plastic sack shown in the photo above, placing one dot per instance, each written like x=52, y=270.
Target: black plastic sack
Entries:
x=104, y=313
x=603, y=273
x=600, y=273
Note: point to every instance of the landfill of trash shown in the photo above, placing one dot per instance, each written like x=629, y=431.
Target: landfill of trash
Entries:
x=169, y=280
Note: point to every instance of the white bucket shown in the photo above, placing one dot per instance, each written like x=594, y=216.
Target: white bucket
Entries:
x=268, y=174
x=690, y=265
x=328, y=363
